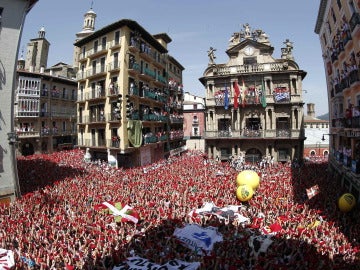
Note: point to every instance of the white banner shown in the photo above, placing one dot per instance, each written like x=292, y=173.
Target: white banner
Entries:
x=138, y=263
x=259, y=243
x=230, y=212
x=197, y=238
x=6, y=259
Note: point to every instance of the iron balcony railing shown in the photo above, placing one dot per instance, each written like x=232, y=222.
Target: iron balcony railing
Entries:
x=248, y=133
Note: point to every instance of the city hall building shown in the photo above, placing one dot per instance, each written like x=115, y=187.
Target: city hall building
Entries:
x=254, y=101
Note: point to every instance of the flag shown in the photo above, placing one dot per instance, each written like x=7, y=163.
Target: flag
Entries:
x=226, y=98
x=243, y=94
x=122, y=213
x=263, y=95
x=230, y=212
x=236, y=96
x=311, y=192
x=259, y=244
x=198, y=238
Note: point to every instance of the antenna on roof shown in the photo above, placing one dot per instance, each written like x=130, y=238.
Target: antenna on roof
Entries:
x=92, y=3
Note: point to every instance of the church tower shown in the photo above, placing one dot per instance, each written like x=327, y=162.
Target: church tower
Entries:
x=37, y=52
x=87, y=29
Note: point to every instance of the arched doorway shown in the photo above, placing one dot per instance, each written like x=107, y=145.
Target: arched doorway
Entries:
x=253, y=155
x=27, y=149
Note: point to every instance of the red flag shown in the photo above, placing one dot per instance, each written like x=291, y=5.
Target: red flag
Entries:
x=236, y=96
x=243, y=94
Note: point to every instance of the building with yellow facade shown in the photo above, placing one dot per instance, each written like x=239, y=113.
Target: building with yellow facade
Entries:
x=338, y=27
x=254, y=101
x=129, y=95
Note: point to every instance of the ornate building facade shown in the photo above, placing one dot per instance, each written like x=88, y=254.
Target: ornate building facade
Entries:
x=45, y=102
x=129, y=95
x=338, y=27
x=254, y=102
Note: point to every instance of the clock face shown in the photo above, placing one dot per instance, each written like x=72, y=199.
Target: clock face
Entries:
x=249, y=50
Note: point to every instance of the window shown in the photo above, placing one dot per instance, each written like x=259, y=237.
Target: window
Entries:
x=250, y=61
x=83, y=52
x=116, y=60
x=117, y=37
x=102, y=64
x=96, y=44
x=103, y=43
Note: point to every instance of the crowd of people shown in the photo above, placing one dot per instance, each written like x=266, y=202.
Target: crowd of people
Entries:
x=56, y=224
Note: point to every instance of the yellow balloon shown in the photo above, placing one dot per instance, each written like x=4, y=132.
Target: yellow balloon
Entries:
x=346, y=202
x=248, y=177
x=244, y=193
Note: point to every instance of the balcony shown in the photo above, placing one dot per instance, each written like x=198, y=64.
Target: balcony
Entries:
x=150, y=139
x=114, y=142
x=134, y=68
x=95, y=94
x=114, y=66
x=252, y=134
x=353, y=122
x=95, y=143
x=176, y=134
x=115, y=44
x=97, y=51
x=27, y=113
x=28, y=92
x=95, y=119
x=98, y=70
x=176, y=119
x=114, y=117
x=28, y=134
x=154, y=117
x=257, y=68
x=81, y=98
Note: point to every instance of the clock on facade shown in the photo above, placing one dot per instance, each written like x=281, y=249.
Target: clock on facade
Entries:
x=249, y=50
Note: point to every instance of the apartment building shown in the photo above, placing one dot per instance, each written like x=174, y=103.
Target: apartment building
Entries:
x=338, y=27
x=12, y=17
x=254, y=101
x=129, y=95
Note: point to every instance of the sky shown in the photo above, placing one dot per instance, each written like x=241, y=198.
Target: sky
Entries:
x=194, y=26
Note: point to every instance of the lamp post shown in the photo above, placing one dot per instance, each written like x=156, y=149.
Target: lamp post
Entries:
x=318, y=146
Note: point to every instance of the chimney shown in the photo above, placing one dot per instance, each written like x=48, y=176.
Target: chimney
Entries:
x=42, y=70
x=311, y=110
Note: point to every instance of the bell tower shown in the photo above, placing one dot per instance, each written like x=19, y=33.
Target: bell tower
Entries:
x=37, y=52
x=87, y=29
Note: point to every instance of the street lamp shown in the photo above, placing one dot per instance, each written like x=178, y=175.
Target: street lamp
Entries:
x=323, y=136
x=318, y=145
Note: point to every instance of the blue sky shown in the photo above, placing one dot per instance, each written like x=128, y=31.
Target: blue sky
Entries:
x=194, y=26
